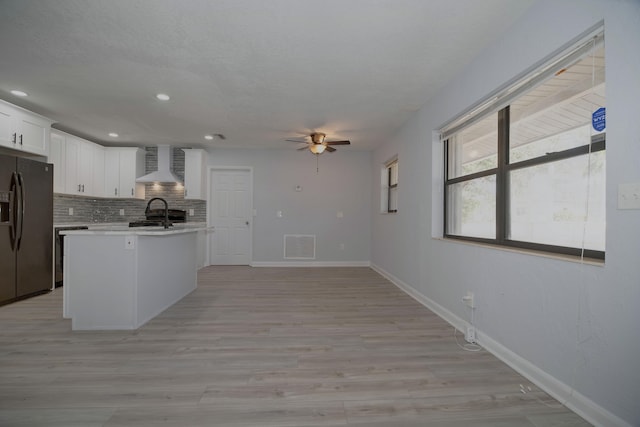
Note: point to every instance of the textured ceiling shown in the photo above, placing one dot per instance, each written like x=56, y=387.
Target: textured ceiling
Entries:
x=257, y=71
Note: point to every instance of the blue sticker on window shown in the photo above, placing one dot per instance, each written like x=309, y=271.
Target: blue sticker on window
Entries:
x=598, y=119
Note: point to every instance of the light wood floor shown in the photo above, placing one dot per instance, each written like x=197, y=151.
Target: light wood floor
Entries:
x=262, y=347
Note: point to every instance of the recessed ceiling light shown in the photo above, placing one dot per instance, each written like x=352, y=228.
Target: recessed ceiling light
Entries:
x=113, y=135
x=163, y=97
x=208, y=137
x=19, y=93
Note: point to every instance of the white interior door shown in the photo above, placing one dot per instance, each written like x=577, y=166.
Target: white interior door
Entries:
x=230, y=209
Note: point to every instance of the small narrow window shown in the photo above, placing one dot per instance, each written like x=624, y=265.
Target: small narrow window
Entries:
x=392, y=186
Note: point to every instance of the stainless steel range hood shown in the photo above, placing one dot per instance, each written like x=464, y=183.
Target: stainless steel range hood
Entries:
x=164, y=172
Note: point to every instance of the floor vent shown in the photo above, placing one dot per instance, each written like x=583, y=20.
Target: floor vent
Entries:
x=299, y=246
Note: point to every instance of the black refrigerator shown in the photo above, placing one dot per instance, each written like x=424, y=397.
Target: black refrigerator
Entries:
x=26, y=227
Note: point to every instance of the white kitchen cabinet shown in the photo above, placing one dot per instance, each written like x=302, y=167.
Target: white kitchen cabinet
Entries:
x=57, y=157
x=23, y=131
x=83, y=166
x=78, y=166
x=98, y=171
x=122, y=166
x=195, y=174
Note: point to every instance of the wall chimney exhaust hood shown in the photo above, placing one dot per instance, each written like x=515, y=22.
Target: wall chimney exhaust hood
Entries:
x=164, y=172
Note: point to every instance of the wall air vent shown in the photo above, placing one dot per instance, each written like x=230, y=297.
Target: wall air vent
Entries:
x=299, y=246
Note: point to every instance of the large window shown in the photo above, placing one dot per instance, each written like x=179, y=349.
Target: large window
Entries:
x=529, y=170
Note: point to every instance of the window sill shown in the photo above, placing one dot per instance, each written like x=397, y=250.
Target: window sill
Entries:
x=560, y=257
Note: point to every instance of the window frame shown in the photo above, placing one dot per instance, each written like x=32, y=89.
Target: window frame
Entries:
x=501, y=172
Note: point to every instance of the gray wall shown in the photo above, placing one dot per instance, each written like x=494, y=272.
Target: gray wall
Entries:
x=97, y=210
x=342, y=184
x=568, y=324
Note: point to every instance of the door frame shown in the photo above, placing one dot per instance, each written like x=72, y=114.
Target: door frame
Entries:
x=210, y=172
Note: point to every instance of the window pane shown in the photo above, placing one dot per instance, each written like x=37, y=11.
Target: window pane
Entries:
x=393, y=199
x=393, y=173
x=556, y=115
x=471, y=208
x=474, y=149
x=547, y=203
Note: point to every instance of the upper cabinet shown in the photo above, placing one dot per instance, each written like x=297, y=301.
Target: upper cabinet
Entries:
x=122, y=166
x=57, y=157
x=24, y=131
x=78, y=165
x=79, y=157
x=195, y=174
x=84, y=168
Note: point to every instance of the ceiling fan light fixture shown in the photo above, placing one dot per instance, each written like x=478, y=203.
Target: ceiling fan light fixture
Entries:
x=318, y=137
x=317, y=148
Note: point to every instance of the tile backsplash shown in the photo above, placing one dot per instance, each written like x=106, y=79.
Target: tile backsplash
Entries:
x=96, y=210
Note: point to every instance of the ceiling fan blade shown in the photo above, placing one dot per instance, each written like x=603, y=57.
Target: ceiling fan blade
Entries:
x=330, y=149
x=297, y=140
x=337, y=142
x=303, y=148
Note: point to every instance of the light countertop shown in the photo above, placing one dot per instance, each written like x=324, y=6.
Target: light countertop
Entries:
x=124, y=229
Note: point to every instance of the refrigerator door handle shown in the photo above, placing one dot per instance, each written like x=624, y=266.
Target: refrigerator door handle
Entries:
x=13, y=211
x=20, y=213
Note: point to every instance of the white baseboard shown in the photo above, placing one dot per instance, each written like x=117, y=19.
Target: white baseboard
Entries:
x=578, y=403
x=312, y=264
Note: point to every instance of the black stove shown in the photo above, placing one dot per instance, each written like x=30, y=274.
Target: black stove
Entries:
x=148, y=223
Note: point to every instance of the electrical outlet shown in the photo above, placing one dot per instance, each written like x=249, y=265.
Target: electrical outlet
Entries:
x=470, y=335
x=192, y=212
x=121, y=212
x=71, y=211
x=469, y=299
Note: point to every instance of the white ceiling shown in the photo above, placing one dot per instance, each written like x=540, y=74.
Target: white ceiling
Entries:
x=257, y=71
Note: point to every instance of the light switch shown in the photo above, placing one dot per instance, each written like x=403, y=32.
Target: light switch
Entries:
x=129, y=242
x=121, y=212
x=192, y=212
x=629, y=196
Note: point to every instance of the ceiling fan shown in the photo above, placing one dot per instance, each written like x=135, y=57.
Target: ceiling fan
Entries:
x=318, y=143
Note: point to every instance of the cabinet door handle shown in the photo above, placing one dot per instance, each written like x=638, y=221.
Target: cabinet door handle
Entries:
x=79, y=188
x=115, y=191
x=20, y=139
x=14, y=138
x=83, y=188
x=132, y=191
x=186, y=192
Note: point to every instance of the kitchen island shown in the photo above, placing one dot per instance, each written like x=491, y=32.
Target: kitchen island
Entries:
x=118, y=277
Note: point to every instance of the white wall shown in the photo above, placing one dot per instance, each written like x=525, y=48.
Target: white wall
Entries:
x=341, y=185
x=563, y=323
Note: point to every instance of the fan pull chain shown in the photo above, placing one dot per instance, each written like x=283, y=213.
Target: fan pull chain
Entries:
x=317, y=164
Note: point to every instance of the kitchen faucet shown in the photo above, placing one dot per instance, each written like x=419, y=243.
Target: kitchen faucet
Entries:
x=165, y=222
